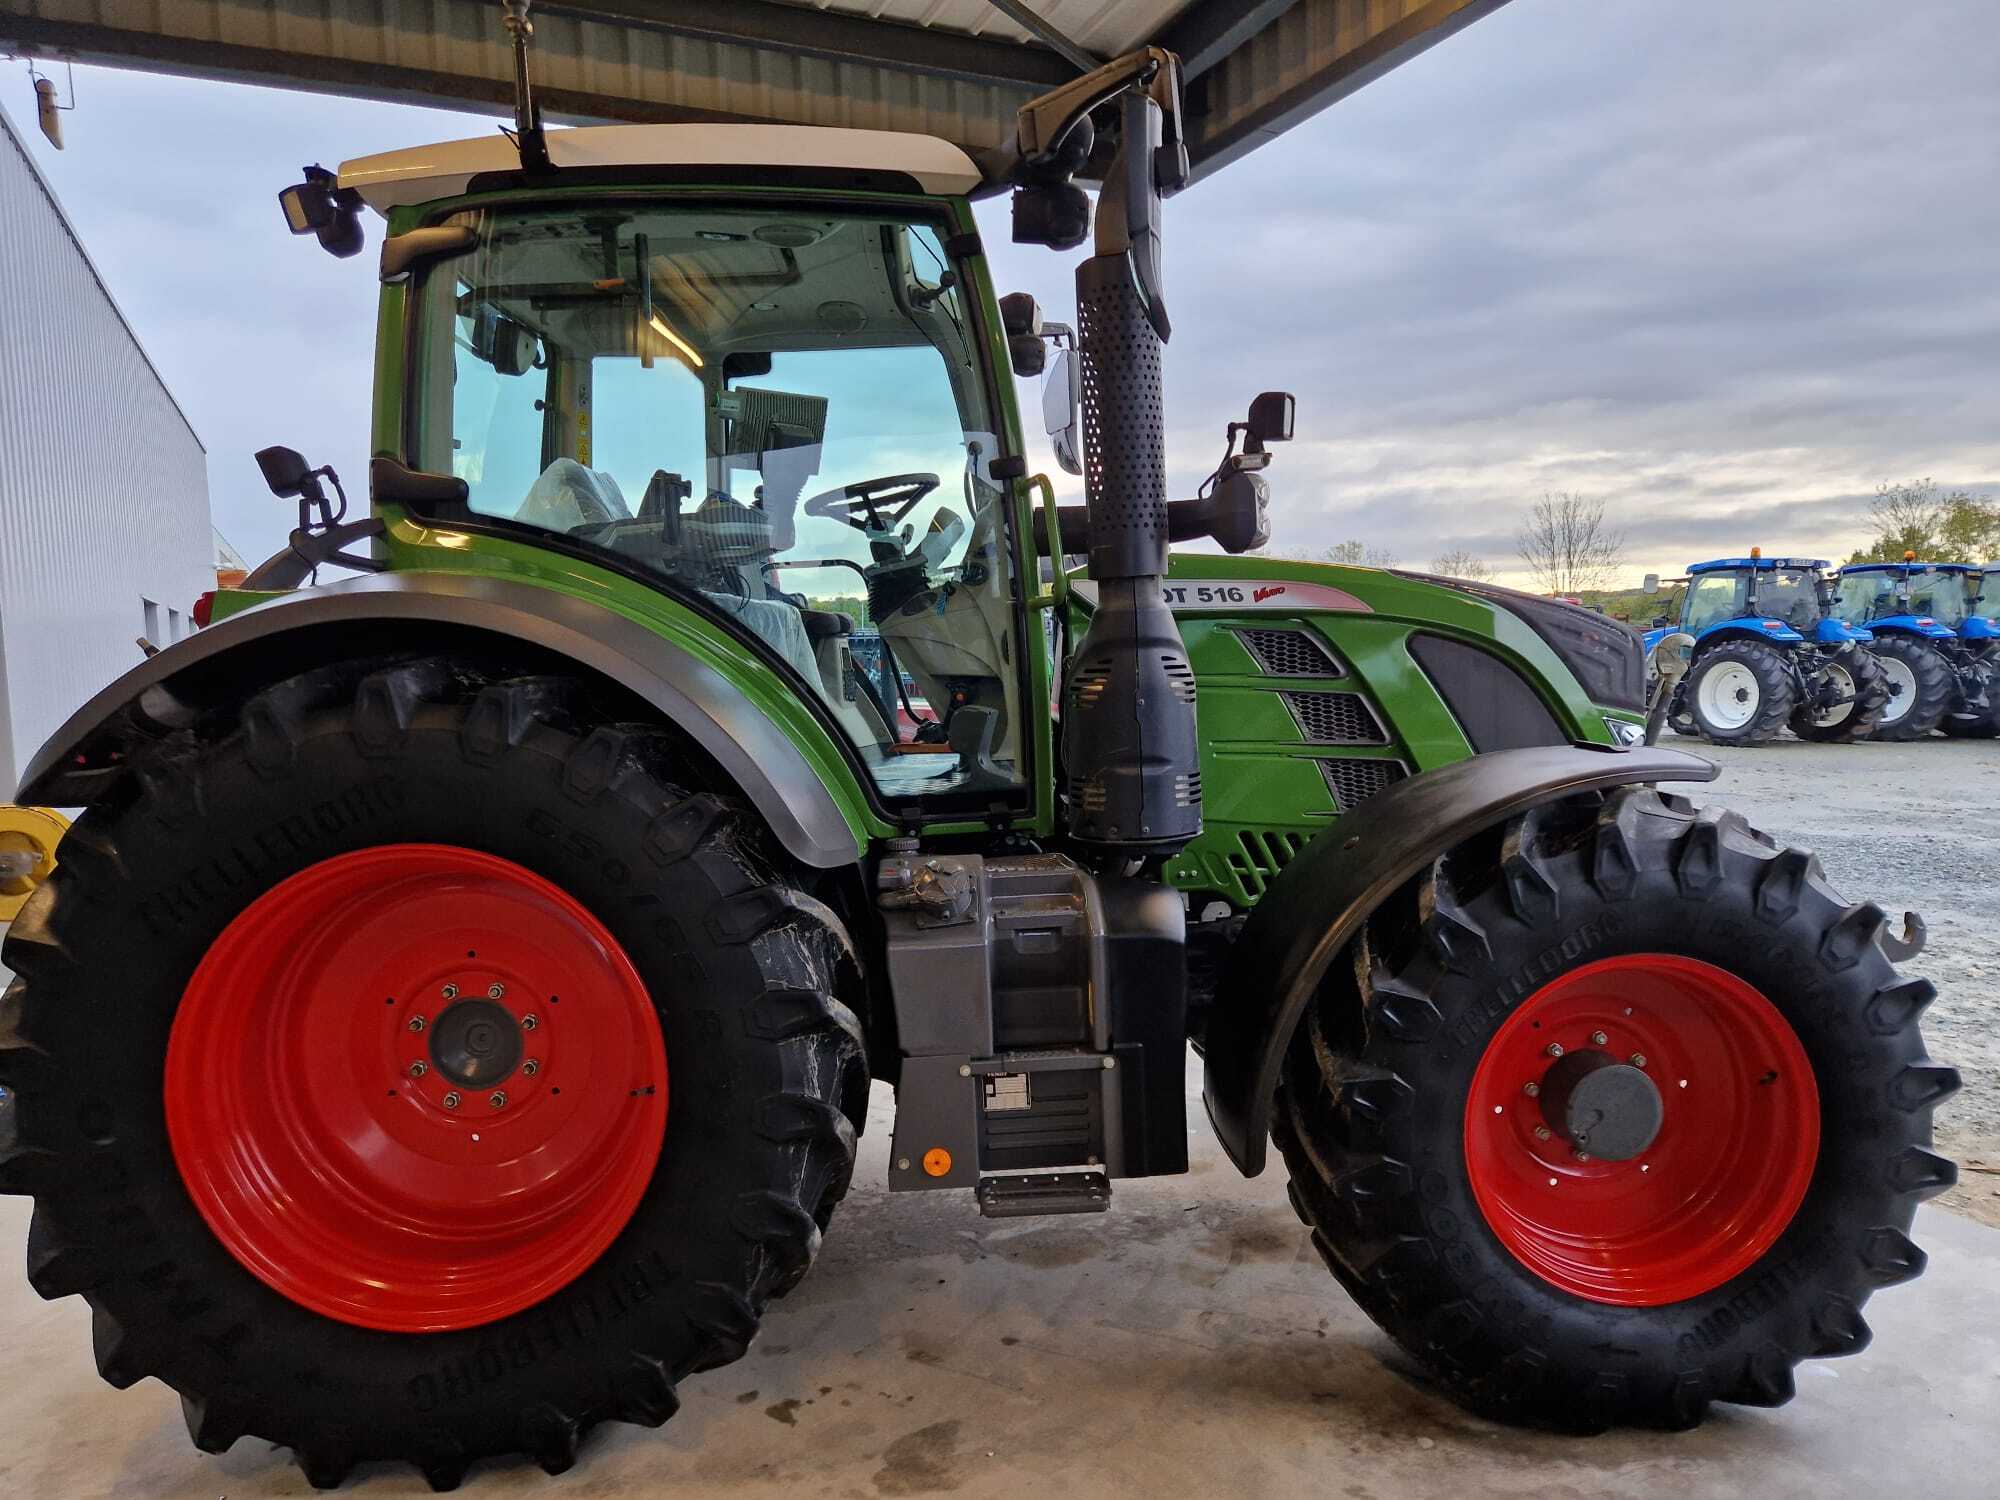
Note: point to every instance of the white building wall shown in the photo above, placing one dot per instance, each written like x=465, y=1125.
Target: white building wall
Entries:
x=104, y=526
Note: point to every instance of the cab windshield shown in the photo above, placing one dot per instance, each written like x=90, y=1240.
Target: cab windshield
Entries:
x=1862, y=597
x=1939, y=595
x=779, y=418
x=1983, y=589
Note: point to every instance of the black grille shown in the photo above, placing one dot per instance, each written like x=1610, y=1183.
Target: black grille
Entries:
x=1353, y=782
x=1335, y=719
x=1260, y=854
x=1291, y=653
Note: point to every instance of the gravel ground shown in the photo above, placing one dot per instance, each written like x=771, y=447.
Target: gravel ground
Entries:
x=1913, y=827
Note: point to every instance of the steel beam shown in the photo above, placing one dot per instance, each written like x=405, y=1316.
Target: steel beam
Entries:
x=1209, y=30
x=1311, y=55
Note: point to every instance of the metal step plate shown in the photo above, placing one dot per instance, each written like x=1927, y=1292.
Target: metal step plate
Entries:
x=1021, y=1195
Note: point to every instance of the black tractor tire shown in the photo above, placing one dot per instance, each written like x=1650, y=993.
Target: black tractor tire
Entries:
x=1930, y=693
x=1983, y=724
x=1679, y=720
x=1373, y=1111
x=744, y=969
x=1771, y=683
x=1870, y=687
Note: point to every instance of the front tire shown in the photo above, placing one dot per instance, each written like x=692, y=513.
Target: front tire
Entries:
x=1864, y=688
x=1920, y=687
x=1702, y=1265
x=458, y=1302
x=1739, y=693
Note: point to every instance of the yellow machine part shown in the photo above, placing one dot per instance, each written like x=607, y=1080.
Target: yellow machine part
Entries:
x=28, y=839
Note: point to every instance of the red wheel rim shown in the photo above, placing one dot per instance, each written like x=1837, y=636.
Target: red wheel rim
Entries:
x=1737, y=1142
x=343, y=1108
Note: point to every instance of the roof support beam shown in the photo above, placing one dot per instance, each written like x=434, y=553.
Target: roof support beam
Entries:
x=1312, y=54
x=1030, y=21
x=1209, y=30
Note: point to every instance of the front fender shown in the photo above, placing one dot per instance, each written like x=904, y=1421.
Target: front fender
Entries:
x=84, y=758
x=1324, y=895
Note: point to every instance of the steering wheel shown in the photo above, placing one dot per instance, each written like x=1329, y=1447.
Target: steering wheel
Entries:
x=863, y=505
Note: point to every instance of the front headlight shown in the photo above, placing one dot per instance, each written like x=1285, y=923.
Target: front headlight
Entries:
x=1624, y=731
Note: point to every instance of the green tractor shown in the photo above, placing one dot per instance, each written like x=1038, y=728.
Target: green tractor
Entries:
x=451, y=1020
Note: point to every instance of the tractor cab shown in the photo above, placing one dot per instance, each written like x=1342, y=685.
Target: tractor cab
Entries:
x=1982, y=606
x=1925, y=600
x=1782, y=599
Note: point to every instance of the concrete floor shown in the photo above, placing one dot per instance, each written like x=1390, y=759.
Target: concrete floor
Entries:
x=1187, y=1342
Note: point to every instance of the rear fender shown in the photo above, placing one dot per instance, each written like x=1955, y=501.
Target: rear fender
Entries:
x=84, y=759
x=1747, y=630
x=1295, y=933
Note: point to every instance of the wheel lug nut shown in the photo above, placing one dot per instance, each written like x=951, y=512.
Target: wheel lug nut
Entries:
x=450, y=992
x=1541, y=1132
x=529, y=1023
x=1555, y=1049
x=1532, y=1090
x=531, y=1067
x=498, y=1099
x=450, y=1100
x=1638, y=1059
x=1581, y=1154
x=416, y=1023
x=419, y=1068
x=495, y=991
x=1598, y=1039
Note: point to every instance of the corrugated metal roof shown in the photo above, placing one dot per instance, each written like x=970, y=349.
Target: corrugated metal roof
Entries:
x=957, y=69
x=1106, y=27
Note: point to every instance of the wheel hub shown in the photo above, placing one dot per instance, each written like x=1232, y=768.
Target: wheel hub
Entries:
x=1609, y=1109
x=416, y=1088
x=1640, y=1130
x=476, y=1043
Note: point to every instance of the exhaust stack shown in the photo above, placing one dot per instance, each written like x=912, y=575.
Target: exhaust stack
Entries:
x=1128, y=726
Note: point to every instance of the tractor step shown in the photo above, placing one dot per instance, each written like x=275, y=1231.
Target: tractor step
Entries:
x=1020, y=1195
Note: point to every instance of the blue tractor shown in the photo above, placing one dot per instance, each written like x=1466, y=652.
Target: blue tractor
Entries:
x=1768, y=653
x=1940, y=658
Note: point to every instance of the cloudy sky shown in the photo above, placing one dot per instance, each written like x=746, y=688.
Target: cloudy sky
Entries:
x=1726, y=267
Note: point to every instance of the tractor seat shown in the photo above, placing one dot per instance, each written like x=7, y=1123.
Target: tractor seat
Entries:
x=826, y=624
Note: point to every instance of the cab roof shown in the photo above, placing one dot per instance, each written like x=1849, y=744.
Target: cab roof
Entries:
x=419, y=174
x=1762, y=564
x=1911, y=567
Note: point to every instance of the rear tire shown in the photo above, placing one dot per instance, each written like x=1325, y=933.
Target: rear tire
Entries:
x=1862, y=679
x=744, y=971
x=1920, y=687
x=1377, y=1119
x=1739, y=693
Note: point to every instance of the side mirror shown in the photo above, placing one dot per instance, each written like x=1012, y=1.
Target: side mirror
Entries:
x=502, y=343
x=1062, y=395
x=319, y=207
x=1021, y=319
x=1271, y=417
x=1660, y=621
x=1021, y=315
x=285, y=471
x=744, y=365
